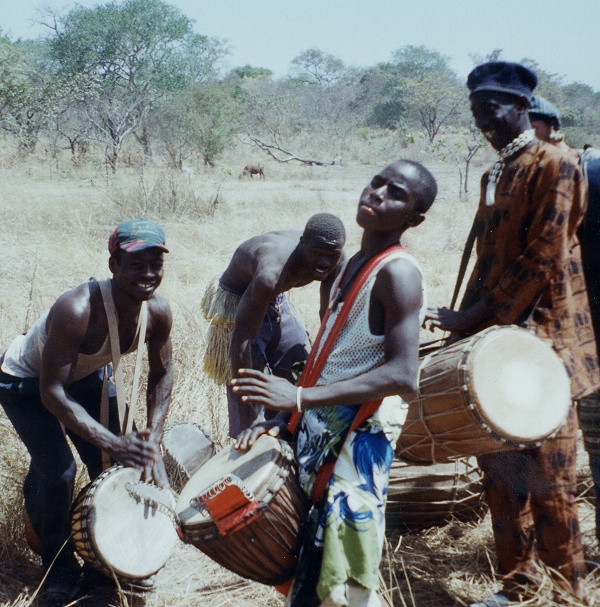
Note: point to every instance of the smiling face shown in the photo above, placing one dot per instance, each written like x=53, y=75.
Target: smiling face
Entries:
x=391, y=201
x=138, y=274
x=501, y=117
x=321, y=255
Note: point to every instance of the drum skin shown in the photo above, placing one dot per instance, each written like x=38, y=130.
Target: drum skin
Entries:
x=420, y=497
x=186, y=448
x=501, y=389
x=266, y=548
x=119, y=533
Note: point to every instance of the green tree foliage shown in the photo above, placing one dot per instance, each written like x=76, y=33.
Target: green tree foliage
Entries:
x=135, y=52
x=27, y=91
x=431, y=92
x=417, y=88
x=199, y=120
x=313, y=66
x=248, y=72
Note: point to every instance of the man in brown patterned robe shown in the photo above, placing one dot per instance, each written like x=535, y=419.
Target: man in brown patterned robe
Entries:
x=528, y=269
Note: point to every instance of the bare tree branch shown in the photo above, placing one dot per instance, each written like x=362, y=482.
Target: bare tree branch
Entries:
x=272, y=149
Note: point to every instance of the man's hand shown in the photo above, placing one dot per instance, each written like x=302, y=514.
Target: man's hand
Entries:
x=156, y=474
x=273, y=427
x=134, y=450
x=445, y=319
x=273, y=392
x=457, y=321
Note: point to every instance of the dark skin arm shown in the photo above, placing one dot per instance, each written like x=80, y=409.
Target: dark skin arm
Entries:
x=249, y=317
x=160, y=383
x=67, y=327
x=395, y=300
x=459, y=321
x=327, y=284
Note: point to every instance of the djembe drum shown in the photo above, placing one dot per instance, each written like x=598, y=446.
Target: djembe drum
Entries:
x=245, y=511
x=186, y=448
x=123, y=526
x=503, y=388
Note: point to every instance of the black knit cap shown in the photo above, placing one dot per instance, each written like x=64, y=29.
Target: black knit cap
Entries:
x=502, y=77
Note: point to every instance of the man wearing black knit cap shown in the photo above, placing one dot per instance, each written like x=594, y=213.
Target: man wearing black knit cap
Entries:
x=528, y=271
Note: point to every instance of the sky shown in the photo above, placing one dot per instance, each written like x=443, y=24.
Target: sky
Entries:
x=562, y=37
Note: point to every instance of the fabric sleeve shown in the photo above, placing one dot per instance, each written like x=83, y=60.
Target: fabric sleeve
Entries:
x=556, y=197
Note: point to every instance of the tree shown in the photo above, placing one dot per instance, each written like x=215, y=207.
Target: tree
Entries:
x=416, y=89
x=201, y=119
x=248, y=72
x=134, y=53
x=428, y=86
x=27, y=91
x=313, y=66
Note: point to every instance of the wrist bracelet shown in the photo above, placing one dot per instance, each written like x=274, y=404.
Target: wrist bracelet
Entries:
x=299, y=399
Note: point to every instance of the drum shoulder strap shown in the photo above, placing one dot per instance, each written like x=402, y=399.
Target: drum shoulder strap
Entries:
x=126, y=414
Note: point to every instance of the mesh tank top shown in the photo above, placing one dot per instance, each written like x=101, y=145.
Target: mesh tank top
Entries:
x=356, y=349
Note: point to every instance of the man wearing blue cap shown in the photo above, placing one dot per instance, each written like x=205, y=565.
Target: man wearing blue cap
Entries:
x=52, y=380
x=529, y=271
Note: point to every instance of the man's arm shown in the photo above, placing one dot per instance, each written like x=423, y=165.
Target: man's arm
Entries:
x=398, y=291
x=67, y=325
x=327, y=284
x=160, y=382
x=250, y=314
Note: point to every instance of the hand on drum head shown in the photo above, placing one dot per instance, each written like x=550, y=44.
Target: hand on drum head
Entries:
x=156, y=474
x=273, y=392
x=273, y=427
x=134, y=450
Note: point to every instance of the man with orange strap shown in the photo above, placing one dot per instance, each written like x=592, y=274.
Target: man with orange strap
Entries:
x=367, y=349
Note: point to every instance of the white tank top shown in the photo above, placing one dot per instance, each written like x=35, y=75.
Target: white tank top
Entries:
x=357, y=350
x=24, y=355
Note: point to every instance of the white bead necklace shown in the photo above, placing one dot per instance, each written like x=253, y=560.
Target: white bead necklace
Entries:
x=514, y=146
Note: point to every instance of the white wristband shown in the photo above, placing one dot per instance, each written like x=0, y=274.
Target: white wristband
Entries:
x=299, y=399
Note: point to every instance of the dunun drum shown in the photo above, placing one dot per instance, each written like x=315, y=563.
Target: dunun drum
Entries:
x=123, y=526
x=245, y=511
x=503, y=388
x=186, y=448
x=420, y=497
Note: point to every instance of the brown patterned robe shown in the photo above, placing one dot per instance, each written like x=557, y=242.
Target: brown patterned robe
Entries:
x=528, y=255
x=529, y=267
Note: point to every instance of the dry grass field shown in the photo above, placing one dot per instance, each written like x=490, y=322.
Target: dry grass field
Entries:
x=55, y=221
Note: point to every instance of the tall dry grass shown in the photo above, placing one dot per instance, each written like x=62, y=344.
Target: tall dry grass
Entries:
x=56, y=219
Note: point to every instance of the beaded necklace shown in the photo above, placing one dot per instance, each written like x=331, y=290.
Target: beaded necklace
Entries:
x=514, y=146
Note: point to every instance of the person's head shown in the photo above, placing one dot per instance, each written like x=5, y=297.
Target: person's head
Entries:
x=500, y=94
x=397, y=197
x=322, y=243
x=136, y=250
x=545, y=119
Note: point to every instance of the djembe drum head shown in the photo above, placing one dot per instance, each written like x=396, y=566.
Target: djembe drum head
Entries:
x=123, y=526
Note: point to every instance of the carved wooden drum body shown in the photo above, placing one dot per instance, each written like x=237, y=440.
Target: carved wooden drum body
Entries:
x=245, y=511
x=420, y=497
